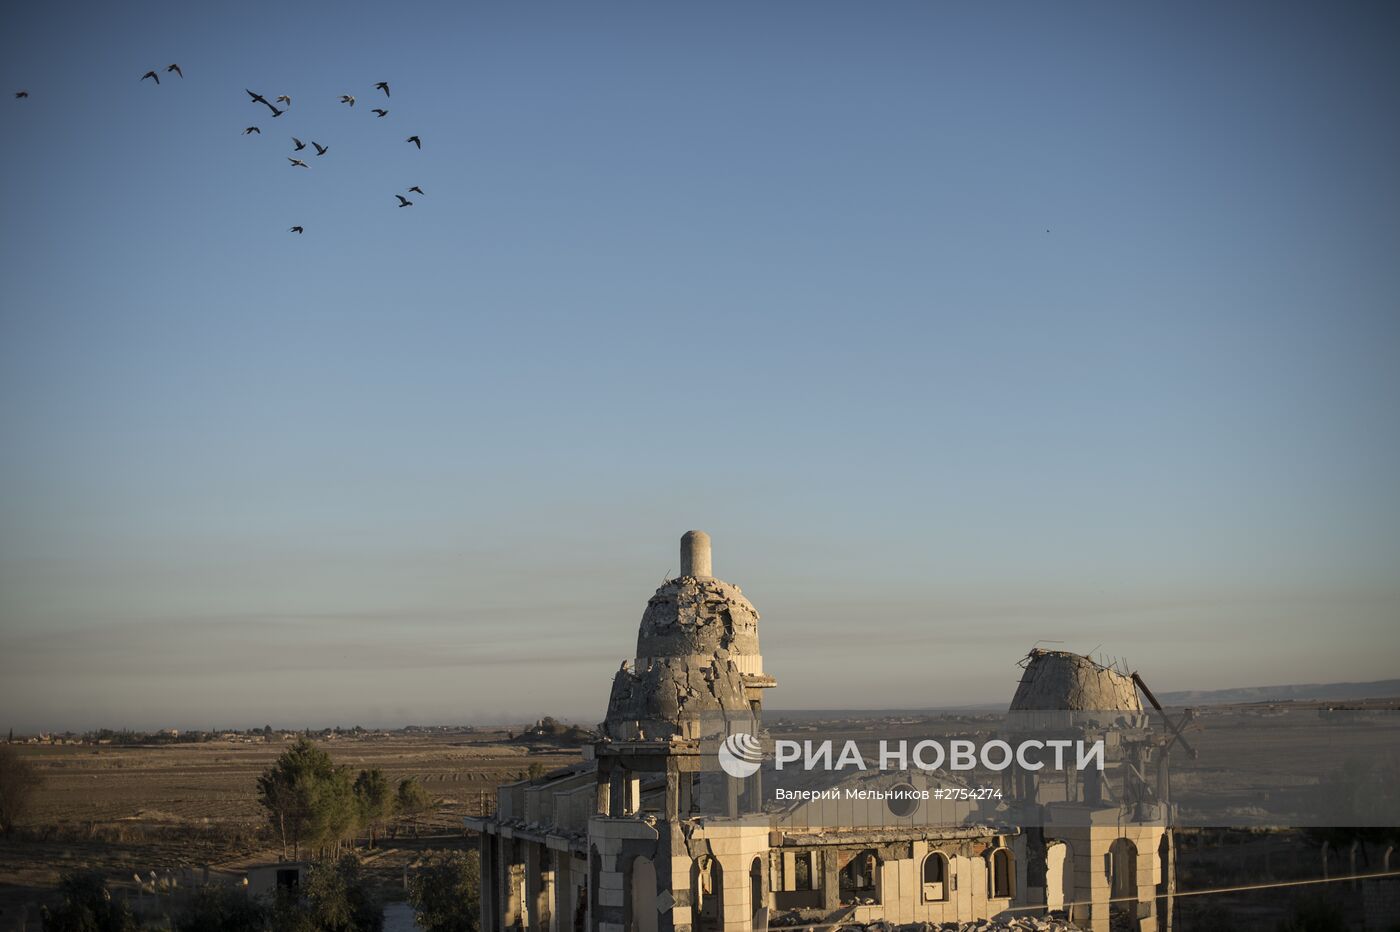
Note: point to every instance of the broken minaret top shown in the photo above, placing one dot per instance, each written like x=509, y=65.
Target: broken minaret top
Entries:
x=695, y=554
x=697, y=655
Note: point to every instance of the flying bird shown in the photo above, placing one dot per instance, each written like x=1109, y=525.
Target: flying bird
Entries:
x=416, y=190
x=415, y=140
x=297, y=163
x=381, y=113
x=403, y=201
x=151, y=74
x=320, y=149
x=296, y=230
x=252, y=129
x=383, y=86
x=260, y=99
x=20, y=95
x=284, y=99
x=300, y=145
x=347, y=99
x=176, y=69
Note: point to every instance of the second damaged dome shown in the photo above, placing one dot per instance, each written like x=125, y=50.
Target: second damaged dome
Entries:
x=697, y=654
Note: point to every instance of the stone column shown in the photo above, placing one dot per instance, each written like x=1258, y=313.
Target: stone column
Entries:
x=489, y=885
x=831, y=881
x=602, y=800
x=695, y=554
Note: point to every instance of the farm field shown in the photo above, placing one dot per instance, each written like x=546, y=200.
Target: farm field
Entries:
x=172, y=808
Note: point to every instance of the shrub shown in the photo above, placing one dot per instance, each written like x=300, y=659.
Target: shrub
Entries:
x=444, y=893
x=86, y=905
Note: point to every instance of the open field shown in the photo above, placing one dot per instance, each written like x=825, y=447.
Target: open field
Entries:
x=123, y=810
x=169, y=808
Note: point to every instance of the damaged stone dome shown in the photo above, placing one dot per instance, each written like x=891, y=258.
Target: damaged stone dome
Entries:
x=697, y=655
x=1058, y=680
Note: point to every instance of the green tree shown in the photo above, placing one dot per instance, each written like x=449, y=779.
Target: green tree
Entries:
x=217, y=908
x=336, y=898
x=335, y=815
x=86, y=905
x=412, y=800
x=19, y=781
x=444, y=893
x=375, y=797
x=310, y=802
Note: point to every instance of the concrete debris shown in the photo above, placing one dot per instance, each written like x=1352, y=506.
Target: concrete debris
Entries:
x=800, y=920
x=1057, y=680
x=1018, y=924
x=697, y=642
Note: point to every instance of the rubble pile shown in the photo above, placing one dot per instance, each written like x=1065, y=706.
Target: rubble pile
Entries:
x=1018, y=924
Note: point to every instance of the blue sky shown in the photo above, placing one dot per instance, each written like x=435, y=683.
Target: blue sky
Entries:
x=957, y=326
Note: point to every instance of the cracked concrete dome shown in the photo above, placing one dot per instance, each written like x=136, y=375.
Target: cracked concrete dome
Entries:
x=697, y=653
x=1057, y=680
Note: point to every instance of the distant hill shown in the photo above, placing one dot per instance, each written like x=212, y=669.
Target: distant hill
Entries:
x=1303, y=691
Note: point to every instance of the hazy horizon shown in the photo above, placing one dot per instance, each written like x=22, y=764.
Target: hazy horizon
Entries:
x=524, y=720
x=958, y=328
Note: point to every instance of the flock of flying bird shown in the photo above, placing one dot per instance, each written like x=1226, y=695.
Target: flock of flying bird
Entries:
x=286, y=99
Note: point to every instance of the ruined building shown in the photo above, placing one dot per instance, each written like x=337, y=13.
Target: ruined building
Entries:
x=646, y=834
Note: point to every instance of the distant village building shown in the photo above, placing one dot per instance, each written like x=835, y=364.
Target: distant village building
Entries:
x=268, y=880
x=645, y=836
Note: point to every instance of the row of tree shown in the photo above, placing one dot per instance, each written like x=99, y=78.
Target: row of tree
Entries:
x=336, y=897
x=316, y=806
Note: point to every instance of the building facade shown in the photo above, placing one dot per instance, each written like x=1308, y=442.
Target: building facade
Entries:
x=644, y=835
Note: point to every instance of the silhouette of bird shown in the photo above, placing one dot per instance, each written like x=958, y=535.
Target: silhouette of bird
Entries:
x=151, y=74
x=415, y=140
x=347, y=99
x=403, y=201
x=284, y=99
x=252, y=129
x=300, y=145
x=416, y=190
x=20, y=95
x=176, y=69
x=297, y=163
x=260, y=99
x=320, y=149
x=381, y=113
x=383, y=86
x=296, y=230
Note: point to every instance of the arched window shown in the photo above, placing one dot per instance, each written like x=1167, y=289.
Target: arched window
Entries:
x=860, y=879
x=1164, y=862
x=590, y=892
x=1122, y=860
x=641, y=899
x=756, y=898
x=936, y=878
x=707, y=894
x=1001, y=874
